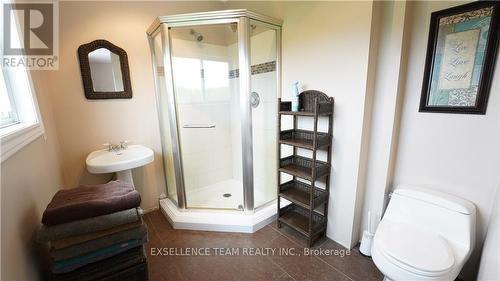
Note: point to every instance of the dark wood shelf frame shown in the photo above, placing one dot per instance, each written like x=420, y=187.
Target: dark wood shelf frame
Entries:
x=304, y=139
x=298, y=192
x=303, y=167
x=299, y=219
x=308, y=212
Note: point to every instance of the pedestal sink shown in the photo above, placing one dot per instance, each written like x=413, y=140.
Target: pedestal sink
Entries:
x=120, y=162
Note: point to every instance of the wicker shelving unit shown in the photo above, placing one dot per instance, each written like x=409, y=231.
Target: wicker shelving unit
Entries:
x=308, y=211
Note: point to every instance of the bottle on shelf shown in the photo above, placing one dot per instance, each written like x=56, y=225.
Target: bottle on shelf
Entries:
x=295, y=96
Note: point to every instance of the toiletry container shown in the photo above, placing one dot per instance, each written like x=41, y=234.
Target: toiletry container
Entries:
x=295, y=96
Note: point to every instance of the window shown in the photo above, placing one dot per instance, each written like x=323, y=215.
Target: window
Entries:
x=187, y=73
x=216, y=74
x=199, y=80
x=20, y=121
x=8, y=113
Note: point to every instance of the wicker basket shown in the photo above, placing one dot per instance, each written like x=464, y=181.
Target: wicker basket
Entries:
x=318, y=220
x=322, y=139
x=304, y=165
x=294, y=184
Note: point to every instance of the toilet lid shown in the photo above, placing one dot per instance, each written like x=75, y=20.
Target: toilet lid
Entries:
x=417, y=250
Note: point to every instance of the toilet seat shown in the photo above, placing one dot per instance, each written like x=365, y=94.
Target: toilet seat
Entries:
x=418, y=251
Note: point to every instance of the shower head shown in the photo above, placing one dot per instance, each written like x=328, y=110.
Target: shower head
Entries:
x=197, y=36
x=234, y=27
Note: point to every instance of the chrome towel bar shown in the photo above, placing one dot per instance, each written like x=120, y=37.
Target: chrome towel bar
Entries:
x=198, y=126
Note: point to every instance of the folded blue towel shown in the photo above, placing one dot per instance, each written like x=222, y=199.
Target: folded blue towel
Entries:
x=71, y=264
x=99, y=243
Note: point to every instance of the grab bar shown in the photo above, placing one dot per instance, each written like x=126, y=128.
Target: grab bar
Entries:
x=198, y=126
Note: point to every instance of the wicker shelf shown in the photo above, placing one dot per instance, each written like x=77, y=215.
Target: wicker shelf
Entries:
x=305, y=139
x=308, y=212
x=301, y=113
x=298, y=193
x=298, y=219
x=303, y=167
x=307, y=106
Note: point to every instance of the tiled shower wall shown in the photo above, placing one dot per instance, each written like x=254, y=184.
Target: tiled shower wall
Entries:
x=213, y=155
x=206, y=152
x=264, y=116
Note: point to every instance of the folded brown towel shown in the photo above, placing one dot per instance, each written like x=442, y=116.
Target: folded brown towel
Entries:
x=90, y=201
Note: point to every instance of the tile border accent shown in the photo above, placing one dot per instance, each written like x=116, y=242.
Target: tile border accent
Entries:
x=255, y=69
x=260, y=68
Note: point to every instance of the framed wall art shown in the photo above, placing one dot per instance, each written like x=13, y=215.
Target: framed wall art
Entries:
x=460, y=61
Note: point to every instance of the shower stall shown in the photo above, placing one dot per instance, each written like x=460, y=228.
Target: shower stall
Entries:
x=217, y=79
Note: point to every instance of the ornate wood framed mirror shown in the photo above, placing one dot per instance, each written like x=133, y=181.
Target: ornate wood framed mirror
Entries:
x=105, y=71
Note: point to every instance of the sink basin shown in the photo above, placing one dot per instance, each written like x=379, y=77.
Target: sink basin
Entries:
x=104, y=161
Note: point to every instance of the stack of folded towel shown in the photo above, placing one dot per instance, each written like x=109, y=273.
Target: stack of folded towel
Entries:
x=95, y=232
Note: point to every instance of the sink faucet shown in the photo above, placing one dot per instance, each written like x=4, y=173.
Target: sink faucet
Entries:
x=117, y=147
x=123, y=145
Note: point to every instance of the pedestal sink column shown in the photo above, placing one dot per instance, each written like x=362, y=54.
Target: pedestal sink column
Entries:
x=125, y=175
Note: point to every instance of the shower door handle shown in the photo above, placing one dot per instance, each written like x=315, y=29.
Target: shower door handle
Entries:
x=198, y=126
x=254, y=99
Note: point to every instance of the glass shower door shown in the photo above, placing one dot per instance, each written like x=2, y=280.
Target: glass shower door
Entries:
x=264, y=62
x=165, y=129
x=206, y=85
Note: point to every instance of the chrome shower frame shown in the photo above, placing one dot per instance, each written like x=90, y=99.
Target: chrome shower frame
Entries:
x=244, y=19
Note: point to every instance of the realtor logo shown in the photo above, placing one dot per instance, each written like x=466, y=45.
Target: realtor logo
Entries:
x=30, y=35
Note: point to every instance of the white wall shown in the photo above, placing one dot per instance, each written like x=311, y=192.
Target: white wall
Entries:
x=387, y=96
x=490, y=258
x=29, y=179
x=325, y=49
x=84, y=125
x=454, y=153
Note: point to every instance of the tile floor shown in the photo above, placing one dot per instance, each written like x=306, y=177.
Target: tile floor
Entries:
x=325, y=266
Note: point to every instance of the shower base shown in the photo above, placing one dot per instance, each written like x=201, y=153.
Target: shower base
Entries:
x=227, y=194
x=218, y=220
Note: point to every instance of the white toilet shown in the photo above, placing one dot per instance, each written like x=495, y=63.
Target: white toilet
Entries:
x=424, y=235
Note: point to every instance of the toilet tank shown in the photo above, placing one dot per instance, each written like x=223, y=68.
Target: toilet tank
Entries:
x=452, y=217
